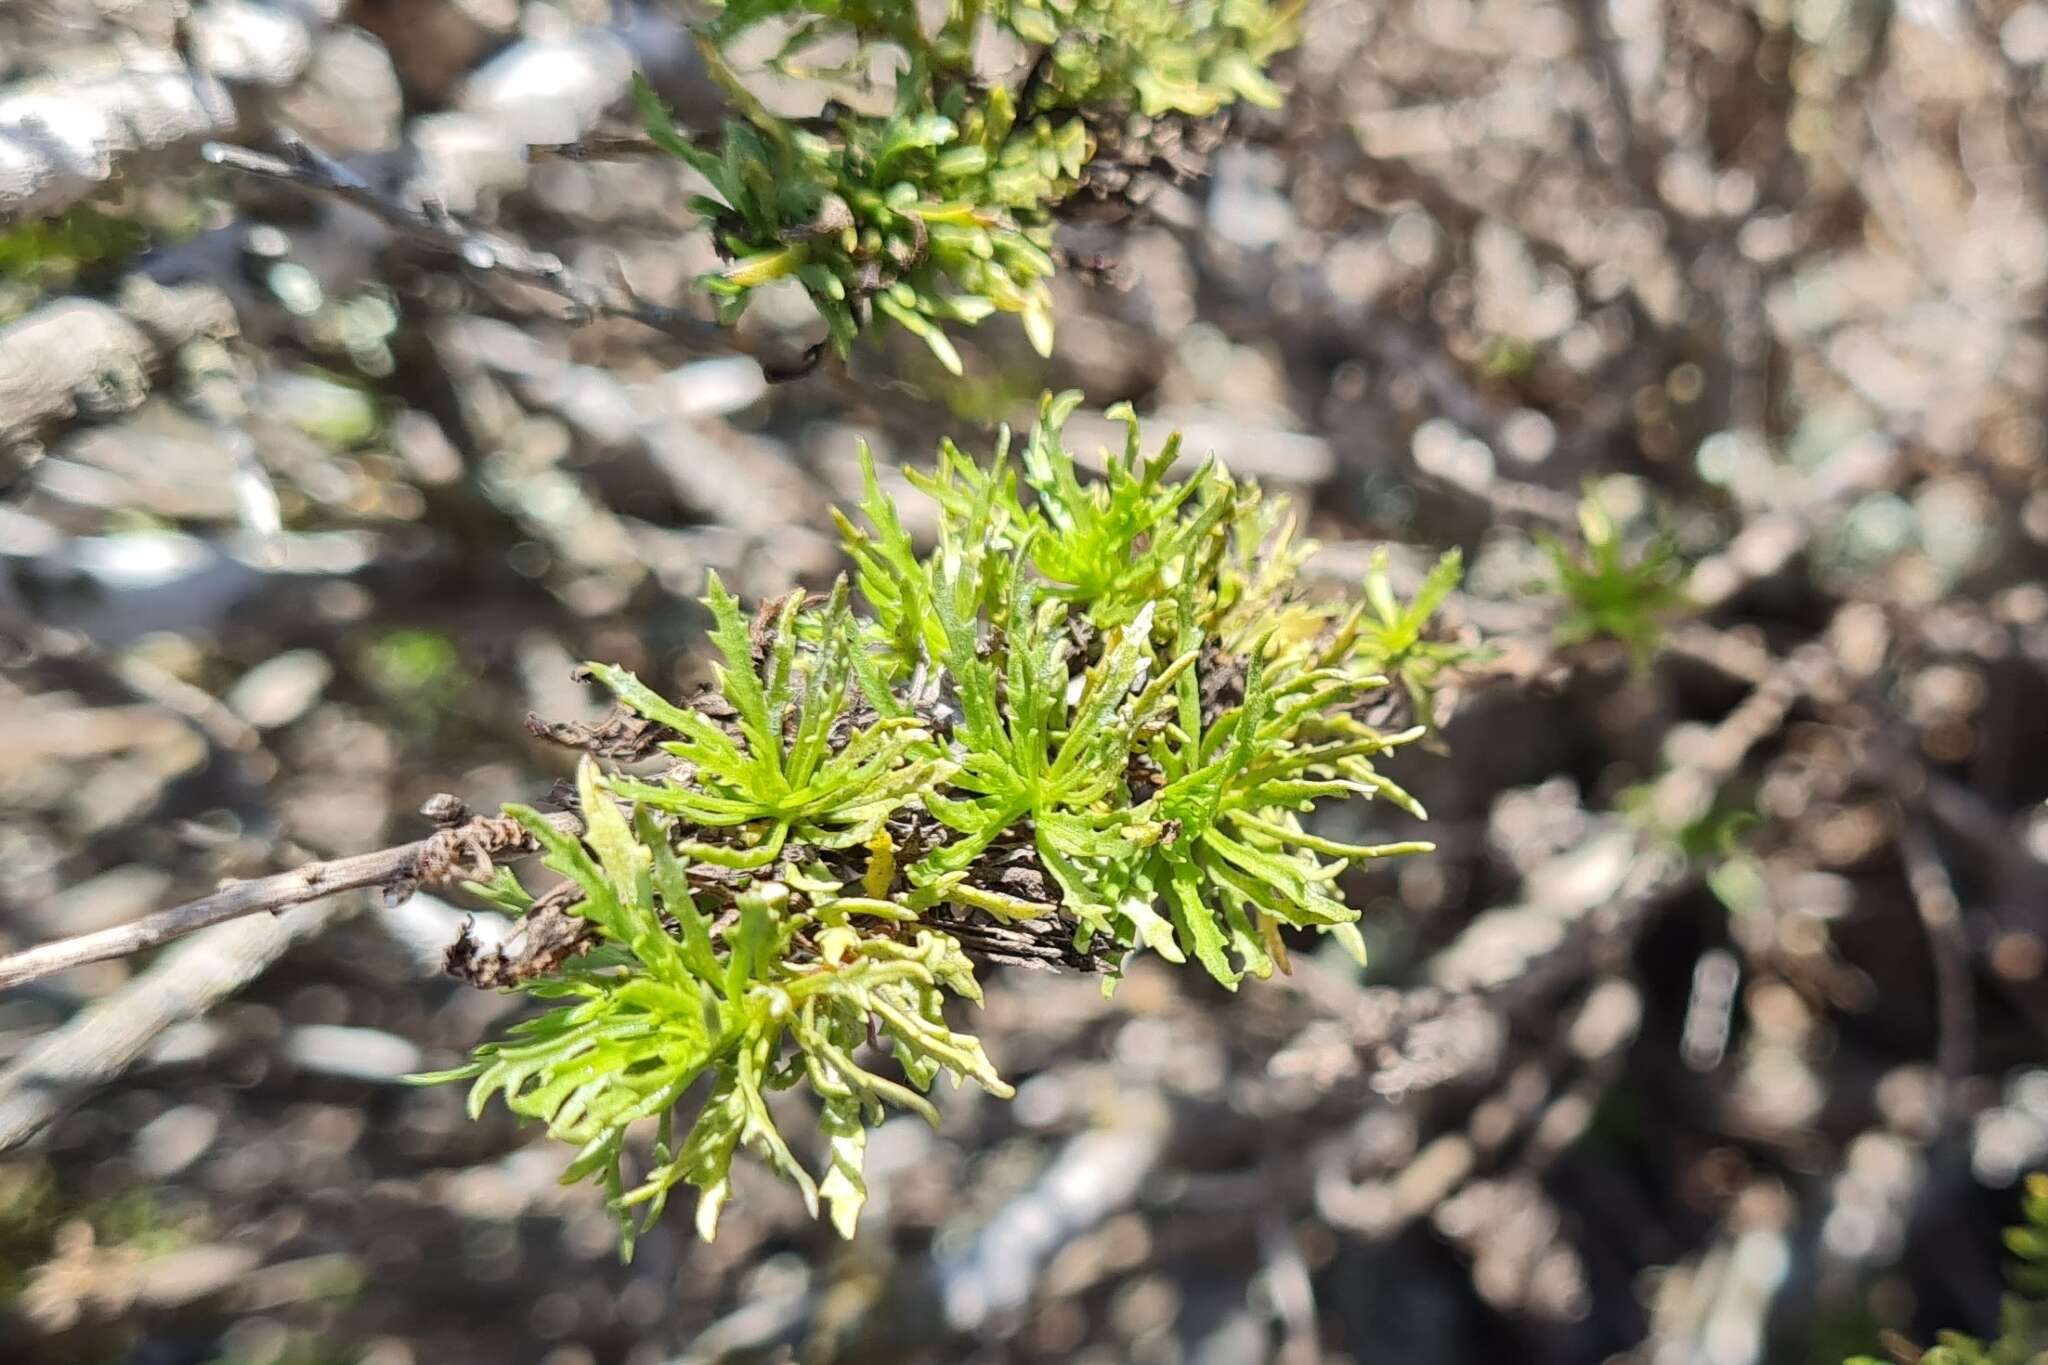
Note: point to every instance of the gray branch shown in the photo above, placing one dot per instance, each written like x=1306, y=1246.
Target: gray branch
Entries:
x=428, y=223
x=452, y=854
x=61, y=139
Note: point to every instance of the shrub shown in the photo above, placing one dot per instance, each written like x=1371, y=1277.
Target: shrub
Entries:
x=1089, y=721
x=941, y=209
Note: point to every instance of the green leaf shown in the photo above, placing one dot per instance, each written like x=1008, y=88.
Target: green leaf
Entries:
x=846, y=1137
x=503, y=891
x=661, y=128
x=1196, y=923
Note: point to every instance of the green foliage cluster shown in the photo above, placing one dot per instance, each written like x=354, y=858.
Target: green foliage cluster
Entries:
x=29, y=1212
x=940, y=211
x=2023, y=1329
x=61, y=246
x=1613, y=590
x=1398, y=633
x=33, y=1210
x=41, y=255
x=1099, y=710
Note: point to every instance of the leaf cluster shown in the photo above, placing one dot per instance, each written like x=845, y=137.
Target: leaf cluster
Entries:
x=39, y=254
x=940, y=210
x=1398, y=634
x=1097, y=708
x=1192, y=58
x=1615, y=590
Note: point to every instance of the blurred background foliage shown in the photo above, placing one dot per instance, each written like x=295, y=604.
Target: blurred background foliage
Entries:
x=1714, y=1030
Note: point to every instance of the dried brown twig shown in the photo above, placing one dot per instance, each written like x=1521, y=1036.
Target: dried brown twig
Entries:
x=429, y=224
x=461, y=849
x=595, y=149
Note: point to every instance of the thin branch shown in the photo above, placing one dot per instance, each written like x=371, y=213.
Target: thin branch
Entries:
x=595, y=149
x=1941, y=915
x=1623, y=158
x=457, y=851
x=429, y=224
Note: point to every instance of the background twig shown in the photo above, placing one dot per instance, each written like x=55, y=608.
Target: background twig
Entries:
x=461, y=851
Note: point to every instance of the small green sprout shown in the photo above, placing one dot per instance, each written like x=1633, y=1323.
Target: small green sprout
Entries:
x=1611, y=592
x=1099, y=712
x=1396, y=635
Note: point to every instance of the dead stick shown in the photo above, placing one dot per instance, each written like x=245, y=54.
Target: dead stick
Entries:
x=438, y=858
x=1941, y=916
x=306, y=168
